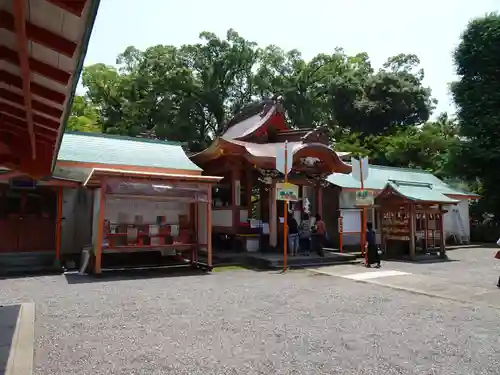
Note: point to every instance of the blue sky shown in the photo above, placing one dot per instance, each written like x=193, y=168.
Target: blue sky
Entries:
x=429, y=28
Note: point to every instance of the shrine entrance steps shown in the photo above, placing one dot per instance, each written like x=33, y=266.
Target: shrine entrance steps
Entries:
x=274, y=260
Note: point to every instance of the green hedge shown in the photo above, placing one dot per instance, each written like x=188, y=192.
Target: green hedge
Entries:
x=485, y=233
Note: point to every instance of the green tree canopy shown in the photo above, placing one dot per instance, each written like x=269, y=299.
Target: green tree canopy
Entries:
x=188, y=93
x=477, y=96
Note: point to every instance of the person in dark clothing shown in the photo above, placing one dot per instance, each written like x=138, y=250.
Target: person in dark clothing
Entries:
x=305, y=234
x=372, y=251
x=319, y=235
x=293, y=235
x=497, y=256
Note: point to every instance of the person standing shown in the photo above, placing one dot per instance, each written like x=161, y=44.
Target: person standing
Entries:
x=497, y=256
x=320, y=235
x=305, y=234
x=293, y=234
x=372, y=251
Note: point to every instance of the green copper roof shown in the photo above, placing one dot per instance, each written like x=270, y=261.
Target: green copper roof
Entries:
x=379, y=176
x=111, y=149
x=418, y=192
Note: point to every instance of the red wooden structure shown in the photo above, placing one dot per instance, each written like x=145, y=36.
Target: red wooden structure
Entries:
x=42, y=47
x=246, y=156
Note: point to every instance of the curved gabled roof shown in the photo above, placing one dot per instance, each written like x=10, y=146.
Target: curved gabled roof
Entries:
x=252, y=118
x=264, y=155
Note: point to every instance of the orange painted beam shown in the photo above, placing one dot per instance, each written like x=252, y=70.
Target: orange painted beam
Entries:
x=22, y=45
x=14, y=121
x=74, y=7
x=39, y=90
x=19, y=112
x=59, y=222
x=37, y=105
x=9, y=175
x=21, y=133
x=209, y=226
x=40, y=35
x=61, y=183
x=37, y=66
x=100, y=229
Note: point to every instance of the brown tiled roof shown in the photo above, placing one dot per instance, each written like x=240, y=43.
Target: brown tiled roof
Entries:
x=251, y=118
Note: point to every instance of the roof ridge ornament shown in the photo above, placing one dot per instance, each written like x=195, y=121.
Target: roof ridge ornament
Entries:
x=317, y=135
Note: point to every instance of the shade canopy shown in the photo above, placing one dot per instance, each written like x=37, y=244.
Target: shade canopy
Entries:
x=97, y=174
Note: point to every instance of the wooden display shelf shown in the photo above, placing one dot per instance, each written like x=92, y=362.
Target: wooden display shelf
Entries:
x=397, y=238
x=139, y=248
x=139, y=235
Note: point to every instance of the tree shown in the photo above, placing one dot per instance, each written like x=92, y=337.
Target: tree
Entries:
x=178, y=93
x=477, y=96
x=422, y=147
x=425, y=147
x=84, y=117
x=188, y=93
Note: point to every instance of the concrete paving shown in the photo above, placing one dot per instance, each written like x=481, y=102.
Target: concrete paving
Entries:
x=470, y=275
x=17, y=339
x=8, y=322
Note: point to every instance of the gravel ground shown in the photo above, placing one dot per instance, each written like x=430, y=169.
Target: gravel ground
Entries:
x=243, y=322
x=469, y=266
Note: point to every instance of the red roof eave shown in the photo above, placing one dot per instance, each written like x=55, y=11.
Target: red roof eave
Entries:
x=33, y=140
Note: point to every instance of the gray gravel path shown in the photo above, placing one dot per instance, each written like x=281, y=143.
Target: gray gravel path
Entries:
x=244, y=322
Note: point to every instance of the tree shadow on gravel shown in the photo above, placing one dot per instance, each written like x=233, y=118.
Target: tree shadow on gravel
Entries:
x=422, y=261
x=133, y=274
x=8, y=322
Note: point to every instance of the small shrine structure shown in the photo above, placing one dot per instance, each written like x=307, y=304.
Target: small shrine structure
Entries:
x=412, y=218
x=245, y=208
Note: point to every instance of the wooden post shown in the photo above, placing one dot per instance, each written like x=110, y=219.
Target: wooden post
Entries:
x=319, y=200
x=209, y=227
x=363, y=217
x=58, y=223
x=381, y=221
x=194, y=210
x=100, y=227
x=442, y=242
x=263, y=197
x=340, y=231
x=234, y=192
x=285, y=214
x=412, y=230
x=273, y=220
x=248, y=191
x=426, y=230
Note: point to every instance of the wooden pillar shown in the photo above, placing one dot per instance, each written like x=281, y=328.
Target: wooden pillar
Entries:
x=426, y=230
x=412, y=230
x=442, y=240
x=100, y=227
x=273, y=218
x=248, y=190
x=59, y=222
x=194, y=218
x=319, y=200
x=235, y=195
x=263, y=199
x=209, y=227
